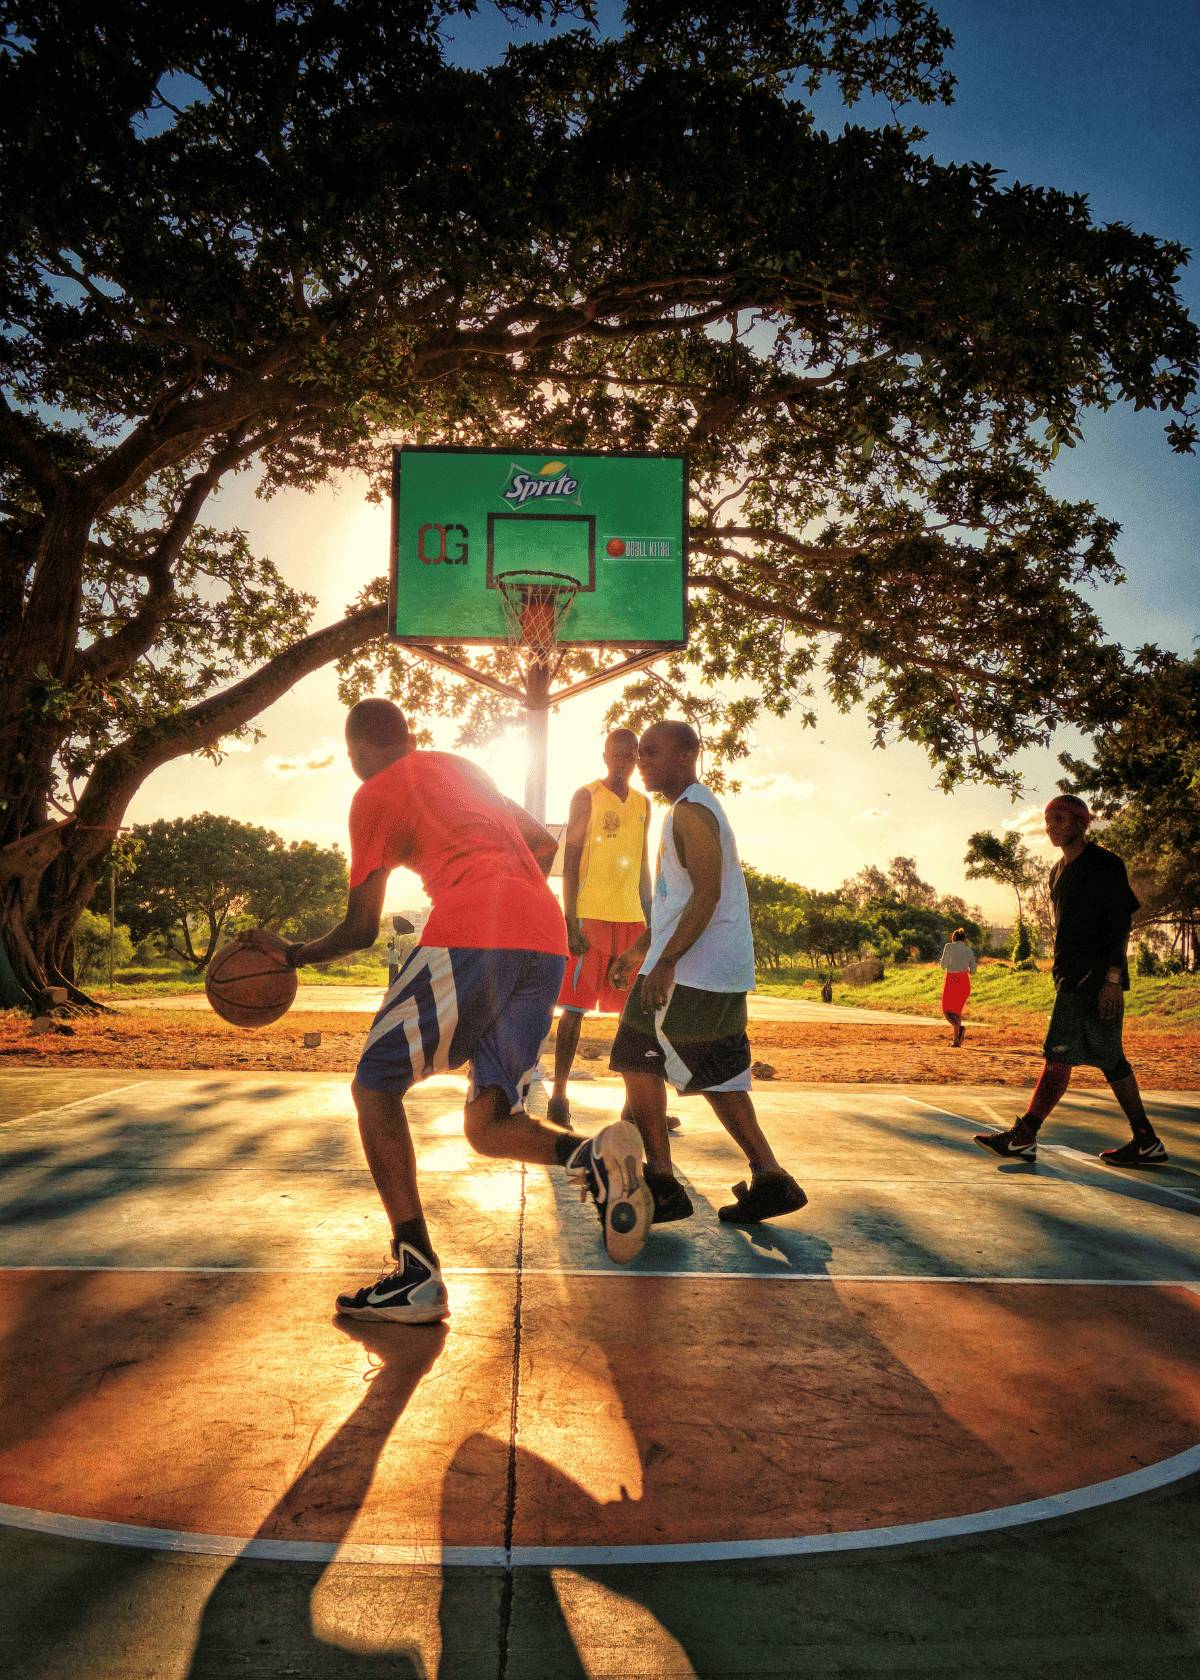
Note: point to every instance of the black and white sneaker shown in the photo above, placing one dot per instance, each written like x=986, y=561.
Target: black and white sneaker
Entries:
x=608, y=1168
x=1008, y=1145
x=768, y=1195
x=1138, y=1152
x=411, y=1293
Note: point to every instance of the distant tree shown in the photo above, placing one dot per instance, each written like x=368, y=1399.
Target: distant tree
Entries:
x=195, y=876
x=1022, y=944
x=870, y=883
x=776, y=906
x=95, y=941
x=280, y=237
x=1007, y=859
x=831, y=933
x=905, y=882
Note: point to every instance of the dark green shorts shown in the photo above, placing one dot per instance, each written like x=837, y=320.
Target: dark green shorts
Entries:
x=699, y=1044
x=1077, y=1035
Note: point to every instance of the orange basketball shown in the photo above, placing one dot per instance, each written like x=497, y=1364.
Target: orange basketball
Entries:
x=249, y=987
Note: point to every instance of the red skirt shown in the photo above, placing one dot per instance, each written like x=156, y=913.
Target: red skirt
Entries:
x=955, y=992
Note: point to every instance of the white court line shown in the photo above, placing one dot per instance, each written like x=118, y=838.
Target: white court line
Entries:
x=615, y=1275
x=1090, y=1498
x=79, y=1102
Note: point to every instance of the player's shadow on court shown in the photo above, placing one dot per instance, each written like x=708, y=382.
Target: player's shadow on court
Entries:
x=259, y=1617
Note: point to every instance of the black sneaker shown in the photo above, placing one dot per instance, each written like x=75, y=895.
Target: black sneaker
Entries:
x=608, y=1168
x=558, y=1112
x=671, y=1200
x=1138, y=1152
x=411, y=1293
x=766, y=1197
x=1004, y=1143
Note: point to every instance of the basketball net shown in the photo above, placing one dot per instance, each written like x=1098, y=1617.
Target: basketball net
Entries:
x=535, y=606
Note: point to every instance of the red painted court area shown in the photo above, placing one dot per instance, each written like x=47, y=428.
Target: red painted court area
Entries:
x=646, y=1407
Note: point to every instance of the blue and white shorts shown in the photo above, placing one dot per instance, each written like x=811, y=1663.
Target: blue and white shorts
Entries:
x=447, y=1007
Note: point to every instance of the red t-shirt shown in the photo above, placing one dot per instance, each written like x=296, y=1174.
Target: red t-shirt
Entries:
x=430, y=812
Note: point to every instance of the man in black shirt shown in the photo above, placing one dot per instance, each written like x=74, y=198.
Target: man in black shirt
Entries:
x=1093, y=909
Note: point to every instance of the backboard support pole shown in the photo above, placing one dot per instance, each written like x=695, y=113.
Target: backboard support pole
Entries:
x=537, y=718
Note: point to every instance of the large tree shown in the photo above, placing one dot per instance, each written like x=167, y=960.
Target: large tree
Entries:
x=276, y=237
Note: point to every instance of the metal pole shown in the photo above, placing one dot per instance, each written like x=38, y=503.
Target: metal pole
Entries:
x=537, y=717
x=112, y=917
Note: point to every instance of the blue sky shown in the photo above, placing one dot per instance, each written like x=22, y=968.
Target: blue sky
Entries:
x=1097, y=98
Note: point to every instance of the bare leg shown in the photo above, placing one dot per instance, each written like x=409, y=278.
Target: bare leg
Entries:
x=492, y=1130
x=566, y=1042
x=955, y=1021
x=646, y=1106
x=1130, y=1098
x=387, y=1144
x=735, y=1111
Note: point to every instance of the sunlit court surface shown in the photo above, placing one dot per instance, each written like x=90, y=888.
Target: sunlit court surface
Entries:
x=945, y=1421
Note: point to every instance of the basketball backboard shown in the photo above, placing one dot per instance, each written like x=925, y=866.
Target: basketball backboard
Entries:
x=616, y=523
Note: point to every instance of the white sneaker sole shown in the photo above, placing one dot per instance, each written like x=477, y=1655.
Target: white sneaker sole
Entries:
x=396, y=1315
x=630, y=1206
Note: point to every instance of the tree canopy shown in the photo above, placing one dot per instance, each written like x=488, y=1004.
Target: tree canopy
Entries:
x=280, y=237
x=193, y=874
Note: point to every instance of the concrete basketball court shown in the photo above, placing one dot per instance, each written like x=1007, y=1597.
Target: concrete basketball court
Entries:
x=946, y=1421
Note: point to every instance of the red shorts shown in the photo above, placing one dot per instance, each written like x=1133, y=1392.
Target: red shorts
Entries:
x=585, y=984
x=955, y=991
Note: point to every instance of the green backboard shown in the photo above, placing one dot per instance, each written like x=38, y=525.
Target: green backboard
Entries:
x=615, y=523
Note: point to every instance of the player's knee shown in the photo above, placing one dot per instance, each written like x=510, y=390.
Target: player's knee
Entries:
x=480, y=1121
x=1121, y=1070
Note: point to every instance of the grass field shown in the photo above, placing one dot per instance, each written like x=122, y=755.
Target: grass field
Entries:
x=168, y=980
x=998, y=994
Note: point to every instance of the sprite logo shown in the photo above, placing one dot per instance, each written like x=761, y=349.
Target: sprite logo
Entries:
x=551, y=479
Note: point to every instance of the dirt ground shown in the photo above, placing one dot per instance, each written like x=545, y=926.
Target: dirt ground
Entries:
x=841, y=1052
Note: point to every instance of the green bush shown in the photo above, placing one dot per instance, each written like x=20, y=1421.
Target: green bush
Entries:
x=93, y=939
x=1147, y=962
x=1022, y=945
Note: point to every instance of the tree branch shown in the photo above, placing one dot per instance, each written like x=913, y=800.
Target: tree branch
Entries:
x=44, y=472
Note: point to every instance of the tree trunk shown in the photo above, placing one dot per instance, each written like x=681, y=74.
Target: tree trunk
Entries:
x=49, y=870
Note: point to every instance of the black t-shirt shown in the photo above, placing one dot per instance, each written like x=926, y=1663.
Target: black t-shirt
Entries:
x=1093, y=908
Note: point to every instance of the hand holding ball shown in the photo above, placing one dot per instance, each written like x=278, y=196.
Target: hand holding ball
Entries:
x=249, y=986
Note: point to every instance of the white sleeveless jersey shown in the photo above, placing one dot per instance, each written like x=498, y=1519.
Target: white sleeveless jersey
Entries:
x=722, y=959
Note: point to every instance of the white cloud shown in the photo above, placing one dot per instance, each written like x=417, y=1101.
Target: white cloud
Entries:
x=321, y=757
x=1029, y=823
x=230, y=744
x=873, y=814
x=776, y=788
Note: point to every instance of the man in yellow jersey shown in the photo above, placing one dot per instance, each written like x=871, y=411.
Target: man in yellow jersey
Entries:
x=606, y=899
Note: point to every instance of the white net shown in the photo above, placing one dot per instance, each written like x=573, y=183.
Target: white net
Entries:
x=535, y=607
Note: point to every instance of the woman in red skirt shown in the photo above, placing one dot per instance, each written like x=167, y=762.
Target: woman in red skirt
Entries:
x=958, y=959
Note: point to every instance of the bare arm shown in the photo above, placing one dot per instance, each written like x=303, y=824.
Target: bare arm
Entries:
x=540, y=841
x=357, y=930
x=574, y=841
x=645, y=890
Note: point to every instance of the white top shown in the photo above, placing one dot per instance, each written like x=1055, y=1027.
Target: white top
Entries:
x=722, y=959
x=958, y=958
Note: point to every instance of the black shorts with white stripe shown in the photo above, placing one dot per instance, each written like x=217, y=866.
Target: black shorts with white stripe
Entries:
x=698, y=1042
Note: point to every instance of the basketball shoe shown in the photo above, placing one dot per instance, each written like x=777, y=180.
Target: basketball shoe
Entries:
x=1008, y=1144
x=1138, y=1152
x=608, y=1168
x=767, y=1196
x=411, y=1293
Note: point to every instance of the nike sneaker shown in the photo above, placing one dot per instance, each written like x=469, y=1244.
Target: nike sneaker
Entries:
x=1138, y=1152
x=1008, y=1144
x=411, y=1293
x=608, y=1168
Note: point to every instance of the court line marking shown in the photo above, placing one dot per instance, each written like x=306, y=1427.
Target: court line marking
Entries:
x=613, y=1274
x=1138, y=1186
x=77, y=1102
x=1092, y=1497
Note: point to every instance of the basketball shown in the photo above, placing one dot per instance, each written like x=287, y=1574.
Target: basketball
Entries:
x=615, y=547
x=248, y=987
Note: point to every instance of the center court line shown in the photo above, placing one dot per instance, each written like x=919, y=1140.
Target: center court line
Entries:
x=1092, y=1497
x=616, y=1275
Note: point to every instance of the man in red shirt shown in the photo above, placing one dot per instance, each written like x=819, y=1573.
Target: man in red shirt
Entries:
x=479, y=988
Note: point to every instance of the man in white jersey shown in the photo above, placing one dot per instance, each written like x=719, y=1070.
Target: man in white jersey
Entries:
x=685, y=1018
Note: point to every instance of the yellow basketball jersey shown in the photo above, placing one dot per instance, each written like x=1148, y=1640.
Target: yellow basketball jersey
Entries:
x=610, y=867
